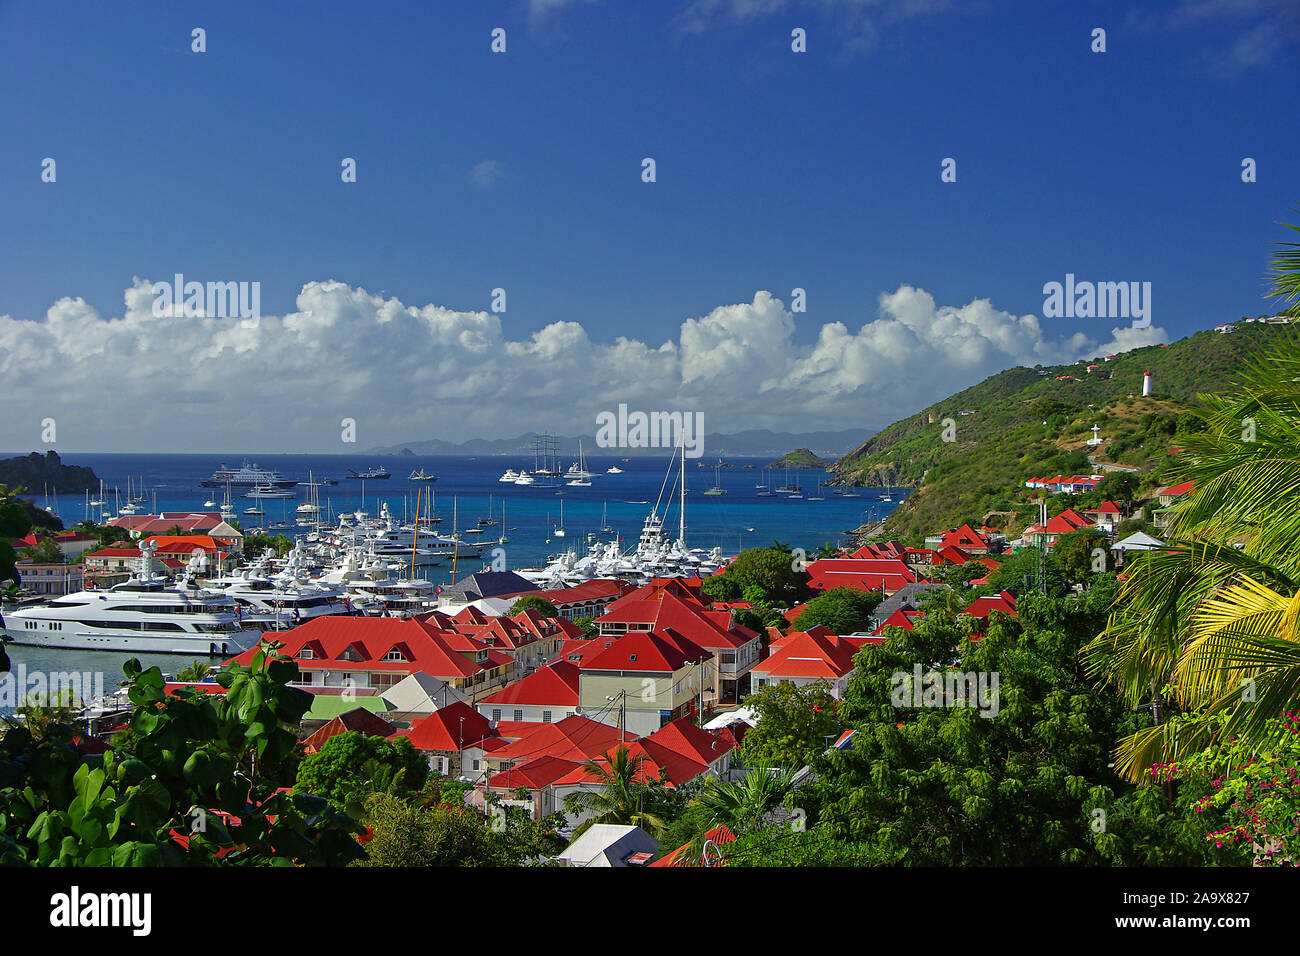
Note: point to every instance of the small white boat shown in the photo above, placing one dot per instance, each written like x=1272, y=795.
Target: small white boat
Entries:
x=613, y=470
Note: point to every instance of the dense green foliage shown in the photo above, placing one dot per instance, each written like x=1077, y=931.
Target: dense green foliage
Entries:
x=195, y=782
x=794, y=725
x=352, y=763
x=1025, y=781
x=411, y=833
x=531, y=602
x=770, y=572
x=840, y=610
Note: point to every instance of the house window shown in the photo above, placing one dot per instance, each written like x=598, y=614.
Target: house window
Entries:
x=475, y=764
x=394, y=655
x=385, y=681
x=519, y=715
x=546, y=716
x=496, y=714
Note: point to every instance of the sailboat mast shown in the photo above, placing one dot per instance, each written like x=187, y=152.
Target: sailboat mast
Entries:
x=681, y=517
x=416, y=536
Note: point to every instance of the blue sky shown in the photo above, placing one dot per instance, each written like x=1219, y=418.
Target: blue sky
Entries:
x=521, y=170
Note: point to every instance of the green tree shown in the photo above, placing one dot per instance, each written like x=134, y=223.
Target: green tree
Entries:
x=15, y=522
x=743, y=805
x=588, y=625
x=772, y=571
x=349, y=764
x=1076, y=555
x=794, y=725
x=1021, y=779
x=205, y=767
x=46, y=551
x=277, y=544
x=1120, y=487
x=721, y=588
x=194, y=672
x=624, y=796
x=404, y=834
x=531, y=602
x=841, y=611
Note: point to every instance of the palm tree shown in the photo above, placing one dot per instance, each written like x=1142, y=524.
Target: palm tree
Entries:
x=1212, y=625
x=622, y=797
x=194, y=672
x=742, y=806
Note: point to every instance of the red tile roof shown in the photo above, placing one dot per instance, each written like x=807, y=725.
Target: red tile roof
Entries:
x=685, y=738
x=534, y=774
x=664, y=609
x=865, y=574
x=359, y=719
x=659, y=652
x=555, y=685
x=368, y=639
x=982, y=606
x=449, y=728
x=903, y=618
x=574, y=738
x=965, y=538
x=814, y=653
x=719, y=835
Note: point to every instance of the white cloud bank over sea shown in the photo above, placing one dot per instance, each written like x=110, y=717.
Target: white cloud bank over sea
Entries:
x=140, y=382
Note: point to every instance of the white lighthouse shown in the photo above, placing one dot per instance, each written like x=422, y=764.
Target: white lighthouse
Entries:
x=1146, y=383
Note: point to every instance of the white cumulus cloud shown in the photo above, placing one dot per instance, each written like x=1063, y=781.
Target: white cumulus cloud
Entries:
x=140, y=382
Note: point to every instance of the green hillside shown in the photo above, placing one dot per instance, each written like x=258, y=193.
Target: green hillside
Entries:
x=1027, y=422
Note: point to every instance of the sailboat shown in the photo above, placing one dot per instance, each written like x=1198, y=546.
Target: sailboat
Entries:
x=789, y=488
x=488, y=521
x=887, y=496
x=717, y=488
x=578, y=469
x=227, y=509
x=559, y=531
x=604, y=521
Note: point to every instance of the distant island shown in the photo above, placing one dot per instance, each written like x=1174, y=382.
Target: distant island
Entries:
x=800, y=458
x=753, y=443
x=36, y=472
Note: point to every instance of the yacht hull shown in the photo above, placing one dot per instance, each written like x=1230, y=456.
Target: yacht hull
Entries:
x=104, y=639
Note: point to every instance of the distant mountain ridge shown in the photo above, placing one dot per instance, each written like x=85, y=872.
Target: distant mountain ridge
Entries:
x=751, y=443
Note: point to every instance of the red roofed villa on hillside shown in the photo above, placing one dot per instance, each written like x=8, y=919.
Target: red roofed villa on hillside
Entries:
x=805, y=657
x=548, y=694
x=374, y=653
x=735, y=649
x=862, y=574
x=646, y=679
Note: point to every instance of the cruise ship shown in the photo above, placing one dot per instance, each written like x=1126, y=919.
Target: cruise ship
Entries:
x=146, y=614
x=373, y=473
x=248, y=475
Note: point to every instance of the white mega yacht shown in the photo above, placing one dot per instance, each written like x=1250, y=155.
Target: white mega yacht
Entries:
x=146, y=614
